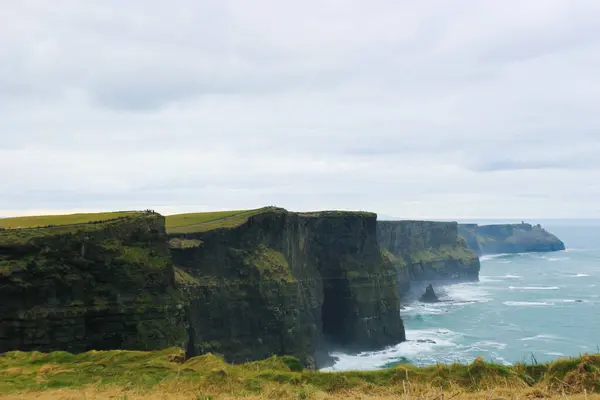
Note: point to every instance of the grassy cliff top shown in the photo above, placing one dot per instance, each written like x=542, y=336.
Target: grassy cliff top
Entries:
x=59, y=220
x=20, y=230
x=206, y=221
x=166, y=374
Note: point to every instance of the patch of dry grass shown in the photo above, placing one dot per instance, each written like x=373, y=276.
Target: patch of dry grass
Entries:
x=413, y=392
x=167, y=375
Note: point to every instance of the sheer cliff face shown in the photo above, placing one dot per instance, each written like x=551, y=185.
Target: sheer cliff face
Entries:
x=287, y=283
x=94, y=286
x=426, y=251
x=515, y=238
x=469, y=233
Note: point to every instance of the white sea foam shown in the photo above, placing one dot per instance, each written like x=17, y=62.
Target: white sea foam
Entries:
x=419, y=342
x=485, y=345
x=489, y=257
x=552, y=259
x=527, y=303
x=423, y=347
x=570, y=250
x=492, y=278
x=467, y=292
x=578, y=275
x=543, y=336
x=486, y=279
x=534, y=287
x=555, y=353
x=419, y=309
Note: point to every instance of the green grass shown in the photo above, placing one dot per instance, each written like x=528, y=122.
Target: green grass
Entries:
x=58, y=220
x=21, y=230
x=206, y=221
x=167, y=372
x=271, y=264
x=63, y=225
x=184, y=278
x=442, y=253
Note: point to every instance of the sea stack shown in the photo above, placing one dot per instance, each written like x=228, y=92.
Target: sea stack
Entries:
x=429, y=296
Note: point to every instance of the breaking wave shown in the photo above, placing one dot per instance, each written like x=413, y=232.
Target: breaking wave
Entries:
x=534, y=287
x=527, y=303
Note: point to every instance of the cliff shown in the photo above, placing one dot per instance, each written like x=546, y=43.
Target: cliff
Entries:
x=277, y=282
x=103, y=284
x=510, y=238
x=424, y=251
x=243, y=284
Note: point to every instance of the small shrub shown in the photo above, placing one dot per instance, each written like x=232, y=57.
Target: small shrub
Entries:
x=292, y=363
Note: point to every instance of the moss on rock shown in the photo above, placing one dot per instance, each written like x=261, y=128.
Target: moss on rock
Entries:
x=89, y=286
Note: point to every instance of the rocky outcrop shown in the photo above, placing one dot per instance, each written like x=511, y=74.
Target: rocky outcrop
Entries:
x=288, y=283
x=424, y=251
x=429, y=296
x=509, y=238
x=92, y=286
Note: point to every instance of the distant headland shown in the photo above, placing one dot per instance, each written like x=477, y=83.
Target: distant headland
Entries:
x=509, y=238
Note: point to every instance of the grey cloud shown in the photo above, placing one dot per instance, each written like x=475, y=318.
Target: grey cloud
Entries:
x=437, y=109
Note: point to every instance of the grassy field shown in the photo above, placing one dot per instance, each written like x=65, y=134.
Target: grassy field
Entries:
x=206, y=221
x=167, y=375
x=69, y=219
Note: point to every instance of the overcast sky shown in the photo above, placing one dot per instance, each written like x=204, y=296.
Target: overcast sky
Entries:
x=416, y=109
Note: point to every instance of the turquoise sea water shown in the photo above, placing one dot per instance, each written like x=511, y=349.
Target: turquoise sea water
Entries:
x=538, y=306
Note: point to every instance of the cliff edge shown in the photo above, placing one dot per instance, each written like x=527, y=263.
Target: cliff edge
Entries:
x=271, y=281
x=509, y=238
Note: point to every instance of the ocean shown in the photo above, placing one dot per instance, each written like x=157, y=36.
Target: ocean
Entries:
x=525, y=308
